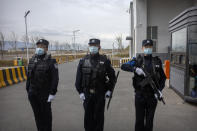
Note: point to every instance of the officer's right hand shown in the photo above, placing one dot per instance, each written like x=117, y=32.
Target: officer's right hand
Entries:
x=82, y=96
x=139, y=71
x=108, y=94
x=50, y=98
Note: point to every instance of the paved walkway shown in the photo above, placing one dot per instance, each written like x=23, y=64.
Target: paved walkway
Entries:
x=16, y=113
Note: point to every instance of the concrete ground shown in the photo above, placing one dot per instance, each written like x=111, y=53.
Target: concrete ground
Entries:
x=16, y=113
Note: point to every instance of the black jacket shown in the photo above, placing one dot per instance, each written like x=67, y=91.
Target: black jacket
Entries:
x=147, y=62
x=109, y=71
x=42, y=75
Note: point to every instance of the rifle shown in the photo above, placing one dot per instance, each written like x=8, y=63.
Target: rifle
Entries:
x=113, y=90
x=148, y=80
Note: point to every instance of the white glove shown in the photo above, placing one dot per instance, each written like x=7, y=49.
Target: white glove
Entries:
x=82, y=96
x=50, y=98
x=160, y=94
x=107, y=94
x=139, y=71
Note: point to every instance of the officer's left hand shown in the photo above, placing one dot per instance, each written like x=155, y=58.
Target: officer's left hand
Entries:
x=50, y=98
x=160, y=95
x=107, y=94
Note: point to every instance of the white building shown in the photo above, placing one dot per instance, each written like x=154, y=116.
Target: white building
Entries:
x=150, y=19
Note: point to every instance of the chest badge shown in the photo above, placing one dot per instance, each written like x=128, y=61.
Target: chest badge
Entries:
x=101, y=62
x=157, y=66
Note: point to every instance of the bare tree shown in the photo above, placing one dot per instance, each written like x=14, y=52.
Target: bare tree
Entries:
x=119, y=43
x=56, y=45
x=2, y=43
x=13, y=40
x=78, y=47
x=23, y=38
x=73, y=46
x=67, y=46
x=34, y=39
x=62, y=47
x=51, y=45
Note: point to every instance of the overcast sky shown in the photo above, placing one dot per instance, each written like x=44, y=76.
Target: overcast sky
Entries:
x=56, y=19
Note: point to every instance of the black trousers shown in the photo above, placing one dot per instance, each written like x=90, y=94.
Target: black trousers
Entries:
x=145, y=109
x=42, y=112
x=94, y=106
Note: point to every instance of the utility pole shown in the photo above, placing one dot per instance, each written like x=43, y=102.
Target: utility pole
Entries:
x=112, y=53
x=27, y=40
x=75, y=31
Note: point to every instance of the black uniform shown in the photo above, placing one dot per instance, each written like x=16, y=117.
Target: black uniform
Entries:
x=42, y=80
x=95, y=76
x=145, y=101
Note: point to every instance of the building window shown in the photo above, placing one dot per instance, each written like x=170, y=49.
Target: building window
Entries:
x=193, y=60
x=152, y=33
x=179, y=40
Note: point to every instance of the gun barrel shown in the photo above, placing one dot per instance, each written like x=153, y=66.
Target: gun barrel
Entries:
x=112, y=90
x=108, y=104
x=163, y=101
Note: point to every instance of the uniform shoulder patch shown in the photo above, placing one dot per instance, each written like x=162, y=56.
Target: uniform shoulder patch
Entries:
x=157, y=58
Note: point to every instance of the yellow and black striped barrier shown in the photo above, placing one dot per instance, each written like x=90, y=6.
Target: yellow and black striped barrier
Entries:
x=124, y=60
x=66, y=58
x=115, y=63
x=10, y=76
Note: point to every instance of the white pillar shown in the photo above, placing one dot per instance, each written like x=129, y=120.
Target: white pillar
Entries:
x=131, y=47
x=140, y=23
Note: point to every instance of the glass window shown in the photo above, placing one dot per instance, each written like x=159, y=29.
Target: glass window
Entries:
x=193, y=60
x=178, y=59
x=152, y=34
x=182, y=59
x=179, y=40
x=148, y=32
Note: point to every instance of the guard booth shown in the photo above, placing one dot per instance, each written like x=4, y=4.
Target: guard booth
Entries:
x=183, y=56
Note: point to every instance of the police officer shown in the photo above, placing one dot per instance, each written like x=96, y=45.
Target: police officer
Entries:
x=145, y=99
x=94, y=81
x=41, y=86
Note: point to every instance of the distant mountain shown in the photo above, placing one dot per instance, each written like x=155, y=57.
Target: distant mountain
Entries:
x=19, y=45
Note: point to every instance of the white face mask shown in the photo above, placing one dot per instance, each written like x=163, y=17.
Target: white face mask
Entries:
x=148, y=51
x=93, y=49
x=39, y=51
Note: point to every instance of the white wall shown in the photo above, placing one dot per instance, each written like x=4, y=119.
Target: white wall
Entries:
x=134, y=26
x=160, y=12
x=195, y=3
x=140, y=23
x=131, y=47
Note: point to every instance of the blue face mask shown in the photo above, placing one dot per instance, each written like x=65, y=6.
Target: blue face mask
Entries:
x=39, y=51
x=93, y=49
x=148, y=51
